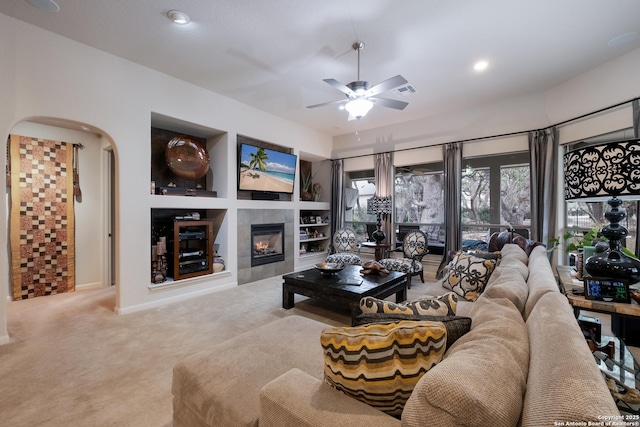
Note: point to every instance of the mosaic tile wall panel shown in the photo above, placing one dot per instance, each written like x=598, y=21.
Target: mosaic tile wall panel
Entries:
x=42, y=217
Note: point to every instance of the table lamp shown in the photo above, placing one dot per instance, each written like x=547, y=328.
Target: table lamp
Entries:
x=612, y=171
x=378, y=206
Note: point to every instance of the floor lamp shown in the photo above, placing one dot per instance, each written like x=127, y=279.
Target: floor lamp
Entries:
x=379, y=206
x=607, y=171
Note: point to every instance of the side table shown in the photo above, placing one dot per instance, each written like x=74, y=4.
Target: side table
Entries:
x=627, y=314
x=567, y=283
x=380, y=249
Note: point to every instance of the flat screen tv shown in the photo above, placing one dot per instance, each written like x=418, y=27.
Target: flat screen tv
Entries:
x=264, y=170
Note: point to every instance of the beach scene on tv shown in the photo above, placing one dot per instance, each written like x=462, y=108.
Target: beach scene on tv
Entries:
x=266, y=170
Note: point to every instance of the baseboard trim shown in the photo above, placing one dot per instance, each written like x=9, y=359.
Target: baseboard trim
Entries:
x=5, y=339
x=85, y=286
x=176, y=298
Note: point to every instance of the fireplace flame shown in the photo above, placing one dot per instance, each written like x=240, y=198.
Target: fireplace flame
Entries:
x=261, y=246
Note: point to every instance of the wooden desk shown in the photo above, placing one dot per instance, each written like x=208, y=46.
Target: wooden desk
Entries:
x=380, y=249
x=567, y=282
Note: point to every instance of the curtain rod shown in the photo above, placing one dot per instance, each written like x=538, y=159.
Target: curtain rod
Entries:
x=502, y=135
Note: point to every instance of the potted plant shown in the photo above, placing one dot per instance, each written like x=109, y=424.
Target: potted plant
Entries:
x=307, y=181
x=575, y=243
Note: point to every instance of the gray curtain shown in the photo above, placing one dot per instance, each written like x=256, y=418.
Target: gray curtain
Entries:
x=636, y=134
x=337, y=197
x=383, y=173
x=543, y=161
x=452, y=156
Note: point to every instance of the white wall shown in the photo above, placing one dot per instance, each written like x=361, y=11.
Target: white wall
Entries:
x=7, y=118
x=43, y=75
x=609, y=84
x=512, y=115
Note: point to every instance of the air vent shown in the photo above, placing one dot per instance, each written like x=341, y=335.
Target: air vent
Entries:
x=404, y=90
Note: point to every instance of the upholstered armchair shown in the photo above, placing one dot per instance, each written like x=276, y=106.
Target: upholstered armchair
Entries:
x=414, y=247
x=344, y=248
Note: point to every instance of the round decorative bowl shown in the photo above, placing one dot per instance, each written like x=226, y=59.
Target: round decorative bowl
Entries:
x=218, y=264
x=329, y=267
x=187, y=158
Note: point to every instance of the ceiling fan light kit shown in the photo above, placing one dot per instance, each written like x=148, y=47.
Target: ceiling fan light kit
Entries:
x=358, y=107
x=360, y=97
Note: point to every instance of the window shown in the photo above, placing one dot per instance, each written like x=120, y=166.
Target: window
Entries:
x=357, y=217
x=496, y=195
x=515, y=196
x=476, y=197
x=583, y=216
x=418, y=200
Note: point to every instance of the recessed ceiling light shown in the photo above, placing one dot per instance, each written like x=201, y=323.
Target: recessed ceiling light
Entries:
x=179, y=17
x=481, y=65
x=623, y=39
x=45, y=5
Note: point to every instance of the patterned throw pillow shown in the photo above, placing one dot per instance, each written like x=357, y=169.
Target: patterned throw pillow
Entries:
x=380, y=364
x=443, y=305
x=456, y=326
x=497, y=255
x=468, y=275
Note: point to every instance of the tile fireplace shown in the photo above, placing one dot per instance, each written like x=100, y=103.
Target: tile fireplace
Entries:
x=267, y=243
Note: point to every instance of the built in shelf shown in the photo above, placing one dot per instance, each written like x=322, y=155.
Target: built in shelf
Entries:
x=188, y=202
x=312, y=254
x=314, y=239
x=314, y=244
x=170, y=283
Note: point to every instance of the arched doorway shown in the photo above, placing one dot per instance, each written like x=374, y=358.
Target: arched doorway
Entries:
x=95, y=263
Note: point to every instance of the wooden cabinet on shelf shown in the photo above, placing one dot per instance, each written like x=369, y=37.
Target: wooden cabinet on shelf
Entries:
x=315, y=232
x=192, y=248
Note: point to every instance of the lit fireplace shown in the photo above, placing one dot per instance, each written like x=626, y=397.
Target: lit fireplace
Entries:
x=267, y=243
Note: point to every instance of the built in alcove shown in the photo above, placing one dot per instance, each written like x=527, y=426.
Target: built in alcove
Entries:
x=261, y=193
x=199, y=142
x=183, y=243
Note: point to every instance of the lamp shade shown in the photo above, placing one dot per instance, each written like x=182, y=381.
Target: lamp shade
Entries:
x=605, y=170
x=379, y=205
x=358, y=107
x=612, y=171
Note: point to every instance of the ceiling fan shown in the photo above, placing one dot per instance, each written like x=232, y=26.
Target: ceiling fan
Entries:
x=360, y=97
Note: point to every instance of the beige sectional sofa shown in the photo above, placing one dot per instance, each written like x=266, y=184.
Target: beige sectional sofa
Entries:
x=524, y=362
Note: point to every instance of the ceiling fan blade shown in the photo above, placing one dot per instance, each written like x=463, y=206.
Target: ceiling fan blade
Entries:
x=390, y=103
x=388, y=84
x=340, y=101
x=340, y=86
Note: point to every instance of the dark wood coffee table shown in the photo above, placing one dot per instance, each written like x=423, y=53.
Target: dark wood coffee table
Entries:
x=343, y=289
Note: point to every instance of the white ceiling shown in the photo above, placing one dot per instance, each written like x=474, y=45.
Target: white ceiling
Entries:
x=273, y=54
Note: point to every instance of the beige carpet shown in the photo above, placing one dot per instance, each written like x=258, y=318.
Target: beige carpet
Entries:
x=73, y=362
